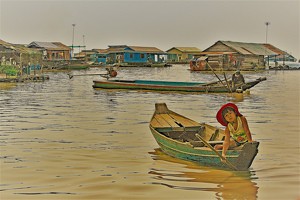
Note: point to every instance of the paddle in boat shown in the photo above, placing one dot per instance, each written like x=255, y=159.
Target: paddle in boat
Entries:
x=213, y=87
x=186, y=139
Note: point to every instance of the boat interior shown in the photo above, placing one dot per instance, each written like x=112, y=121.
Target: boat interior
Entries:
x=167, y=83
x=182, y=129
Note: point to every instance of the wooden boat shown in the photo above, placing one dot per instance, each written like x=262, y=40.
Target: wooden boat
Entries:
x=79, y=66
x=176, y=135
x=213, y=87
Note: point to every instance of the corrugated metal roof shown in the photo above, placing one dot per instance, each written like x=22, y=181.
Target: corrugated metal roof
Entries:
x=117, y=46
x=187, y=49
x=17, y=47
x=46, y=45
x=146, y=49
x=50, y=45
x=103, y=51
x=125, y=48
x=115, y=49
x=271, y=47
x=61, y=46
x=213, y=53
x=250, y=48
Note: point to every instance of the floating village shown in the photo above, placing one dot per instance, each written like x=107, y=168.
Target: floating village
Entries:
x=80, y=126
x=20, y=62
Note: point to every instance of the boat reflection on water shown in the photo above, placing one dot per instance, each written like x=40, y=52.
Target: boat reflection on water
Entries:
x=238, y=97
x=186, y=175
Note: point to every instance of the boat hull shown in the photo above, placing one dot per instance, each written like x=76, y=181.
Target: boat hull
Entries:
x=79, y=66
x=204, y=155
x=170, y=86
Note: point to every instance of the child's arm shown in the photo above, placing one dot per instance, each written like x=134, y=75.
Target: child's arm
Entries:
x=246, y=129
x=226, y=143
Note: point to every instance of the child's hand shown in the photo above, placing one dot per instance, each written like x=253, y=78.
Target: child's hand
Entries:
x=223, y=160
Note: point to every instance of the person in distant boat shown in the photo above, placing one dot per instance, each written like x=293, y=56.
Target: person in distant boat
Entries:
x=237, y=79
x=237, y=131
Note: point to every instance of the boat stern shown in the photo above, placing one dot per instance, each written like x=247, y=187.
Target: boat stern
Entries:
x=248, y=153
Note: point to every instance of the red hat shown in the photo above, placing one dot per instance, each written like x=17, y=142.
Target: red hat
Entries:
x=219, y=114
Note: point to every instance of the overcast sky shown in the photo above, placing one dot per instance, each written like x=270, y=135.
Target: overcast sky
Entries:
x=161, y=24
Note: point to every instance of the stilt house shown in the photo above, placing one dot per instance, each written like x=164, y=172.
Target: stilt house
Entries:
x=52, y=50
x=135, y=54
x=178, y=54
x=228, y=55
x=18, y=54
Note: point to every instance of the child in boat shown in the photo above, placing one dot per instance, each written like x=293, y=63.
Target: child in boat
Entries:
x=237, y=131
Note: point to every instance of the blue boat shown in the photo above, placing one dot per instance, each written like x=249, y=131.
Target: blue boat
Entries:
x=213, y=87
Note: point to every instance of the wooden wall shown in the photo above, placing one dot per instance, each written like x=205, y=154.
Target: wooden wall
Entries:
x=58, y=55
x=235, y=60
x=178, y=54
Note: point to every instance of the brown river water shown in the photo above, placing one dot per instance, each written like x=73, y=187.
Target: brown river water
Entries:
x=62, y=139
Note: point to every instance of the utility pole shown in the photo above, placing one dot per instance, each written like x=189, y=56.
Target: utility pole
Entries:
x=84, y=49
x=73, y=41
x=267, y=24
x=84, y=43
